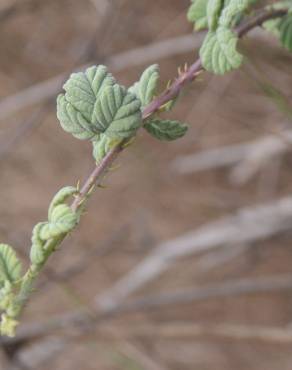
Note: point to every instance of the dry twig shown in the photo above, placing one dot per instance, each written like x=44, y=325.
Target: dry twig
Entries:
x=84, y=321
x=246, y=159
x=245, y=226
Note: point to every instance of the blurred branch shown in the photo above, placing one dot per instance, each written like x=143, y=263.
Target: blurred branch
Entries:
x=260, y=154
x=209, y=291
x=245, y=226
x=36, y=354
x=211, y=158
x=229, y=331
x=219, y=257
x=84, y=321
x=247, y=158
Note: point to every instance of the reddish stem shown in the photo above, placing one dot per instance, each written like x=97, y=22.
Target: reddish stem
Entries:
x=172, y=92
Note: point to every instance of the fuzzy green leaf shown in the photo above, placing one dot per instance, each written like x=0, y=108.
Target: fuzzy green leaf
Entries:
x=73, y=121
x=62, y=220
x=37, y=252
x=94, y=104
x=146, y=88
x=233, y=9
x=8, y=325
x=166, y=130
x=10, y=266
x=214, y=8
x=75, y=108
x=197, y=14
x=102, y=146
x=218, y=52
x=118, y=112
x=61, y=197
x=285, y=28
x=83, y=89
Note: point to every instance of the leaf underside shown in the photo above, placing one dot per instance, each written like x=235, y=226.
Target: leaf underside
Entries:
x=166, y=130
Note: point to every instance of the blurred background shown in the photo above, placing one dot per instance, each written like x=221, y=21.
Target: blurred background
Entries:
x=184, y=260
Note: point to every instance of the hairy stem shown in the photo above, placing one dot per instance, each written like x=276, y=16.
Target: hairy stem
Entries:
x=101, y=168
x=171, y=93
x=97, y=174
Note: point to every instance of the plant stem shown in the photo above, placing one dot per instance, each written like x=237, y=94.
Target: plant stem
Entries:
x=258, y=20
x=171, y=93
x=97, y=174
x=101, y=168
